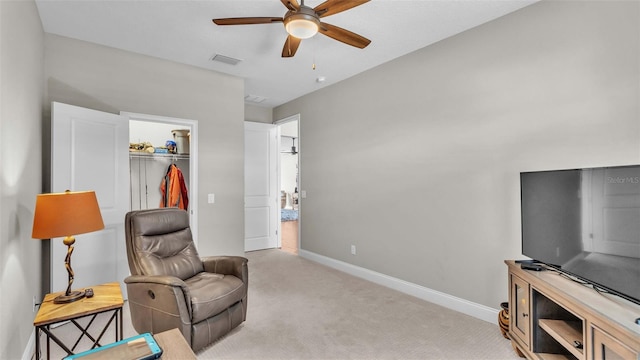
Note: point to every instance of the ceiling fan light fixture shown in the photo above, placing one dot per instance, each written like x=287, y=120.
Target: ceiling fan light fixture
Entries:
x=303, y=24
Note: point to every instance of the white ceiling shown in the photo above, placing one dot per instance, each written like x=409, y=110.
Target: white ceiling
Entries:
x=182, y=31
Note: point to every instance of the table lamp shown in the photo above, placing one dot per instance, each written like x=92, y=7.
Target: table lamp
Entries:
x=66, y=214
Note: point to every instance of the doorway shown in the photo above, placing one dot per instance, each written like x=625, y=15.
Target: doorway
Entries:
x=289, y=180
x=147, y=168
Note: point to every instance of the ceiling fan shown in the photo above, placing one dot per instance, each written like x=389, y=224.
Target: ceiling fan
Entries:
x=303, y=22
x=293, y=148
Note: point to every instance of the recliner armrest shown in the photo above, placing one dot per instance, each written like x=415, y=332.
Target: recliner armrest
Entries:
x=157, y=279
x=163, y=280
x=159, y=303
x=227, y=265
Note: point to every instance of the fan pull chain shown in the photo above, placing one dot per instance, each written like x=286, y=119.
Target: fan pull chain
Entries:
x=313, y=65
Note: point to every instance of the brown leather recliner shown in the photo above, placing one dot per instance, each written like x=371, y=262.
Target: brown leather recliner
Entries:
x=172, y=287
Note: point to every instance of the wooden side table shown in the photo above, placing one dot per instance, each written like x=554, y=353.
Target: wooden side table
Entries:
x=106, y=298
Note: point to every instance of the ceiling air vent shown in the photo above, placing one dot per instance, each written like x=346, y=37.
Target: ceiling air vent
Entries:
x=254, y=99
x=225, y=59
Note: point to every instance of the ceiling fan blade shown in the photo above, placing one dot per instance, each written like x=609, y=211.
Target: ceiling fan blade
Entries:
x=331, y=7
x=344, y=36
x=290, y=46
x=247, y=20
x=291, y=4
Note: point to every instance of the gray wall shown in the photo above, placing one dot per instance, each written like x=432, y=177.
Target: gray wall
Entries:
x=21, y=97
x=258, y=114
x=103, y=78
x=427, y=186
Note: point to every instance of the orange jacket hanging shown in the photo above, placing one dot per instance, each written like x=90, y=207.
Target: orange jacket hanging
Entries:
x=176, y=196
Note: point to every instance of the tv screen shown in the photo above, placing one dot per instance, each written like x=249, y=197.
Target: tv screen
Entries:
x=585, y=222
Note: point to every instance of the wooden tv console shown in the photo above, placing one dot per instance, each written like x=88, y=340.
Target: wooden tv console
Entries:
x=553, y=317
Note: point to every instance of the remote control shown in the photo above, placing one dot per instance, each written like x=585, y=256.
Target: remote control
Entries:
x=533, y=267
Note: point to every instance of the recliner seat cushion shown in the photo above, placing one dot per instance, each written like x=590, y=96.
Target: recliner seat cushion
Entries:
x=212, y=293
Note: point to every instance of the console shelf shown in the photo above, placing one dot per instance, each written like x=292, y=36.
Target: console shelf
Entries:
x=552, y=317
x=546, y=356
x=565, y=333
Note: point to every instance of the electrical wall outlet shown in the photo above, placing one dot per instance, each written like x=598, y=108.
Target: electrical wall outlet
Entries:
x=353, y=249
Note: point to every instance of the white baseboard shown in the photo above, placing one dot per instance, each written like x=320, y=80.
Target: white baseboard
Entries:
x=29, y=351
x=451, y=302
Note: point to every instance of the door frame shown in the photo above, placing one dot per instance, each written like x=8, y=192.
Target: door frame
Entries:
x=193, y=160
x=278, y=123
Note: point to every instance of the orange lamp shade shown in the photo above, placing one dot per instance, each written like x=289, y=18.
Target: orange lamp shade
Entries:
x=66, y=214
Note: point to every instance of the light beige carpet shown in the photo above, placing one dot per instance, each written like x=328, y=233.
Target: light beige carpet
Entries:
x=299, y=309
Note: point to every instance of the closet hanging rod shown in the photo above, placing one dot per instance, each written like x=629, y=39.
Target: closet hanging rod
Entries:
x=159, y=156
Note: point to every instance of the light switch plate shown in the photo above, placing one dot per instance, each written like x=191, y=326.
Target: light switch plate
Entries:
x=211, y=198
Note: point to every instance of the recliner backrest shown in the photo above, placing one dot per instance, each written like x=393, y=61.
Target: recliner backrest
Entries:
x=159, y=242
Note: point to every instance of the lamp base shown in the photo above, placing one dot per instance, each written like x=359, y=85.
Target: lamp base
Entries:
x=73, y=296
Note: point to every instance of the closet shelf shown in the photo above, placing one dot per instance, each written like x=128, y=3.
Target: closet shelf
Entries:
x=158, y=155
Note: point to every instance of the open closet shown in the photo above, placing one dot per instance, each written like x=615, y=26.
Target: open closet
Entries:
x=156, y=146
x=147, y=174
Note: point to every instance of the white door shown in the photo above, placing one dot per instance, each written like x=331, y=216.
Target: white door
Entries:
x=89, y=151
x=261, y=210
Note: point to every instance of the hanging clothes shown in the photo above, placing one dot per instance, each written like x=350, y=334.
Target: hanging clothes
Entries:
x=174, y=190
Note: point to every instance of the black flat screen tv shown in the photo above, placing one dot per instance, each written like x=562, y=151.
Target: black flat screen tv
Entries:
x=585, y=223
